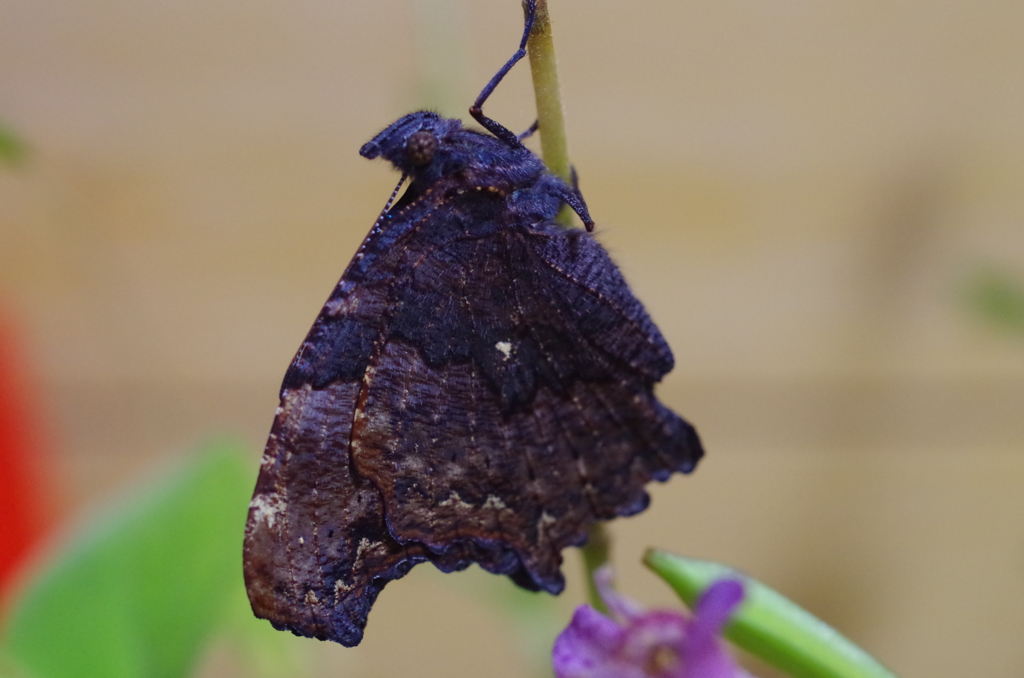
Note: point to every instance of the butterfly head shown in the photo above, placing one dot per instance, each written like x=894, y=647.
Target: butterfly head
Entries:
x=411, y=142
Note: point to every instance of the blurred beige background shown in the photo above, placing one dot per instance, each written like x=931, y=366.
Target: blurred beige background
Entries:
x=799, y=191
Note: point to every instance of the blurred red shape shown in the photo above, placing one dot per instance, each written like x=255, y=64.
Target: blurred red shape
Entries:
x=22, y=491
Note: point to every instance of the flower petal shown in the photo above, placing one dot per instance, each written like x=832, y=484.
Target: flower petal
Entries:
x=705, y=655
x=656, y=643
x=714, y=662
x=588, y=643
x=621, y=608
x=648, y=644
x=717, y=604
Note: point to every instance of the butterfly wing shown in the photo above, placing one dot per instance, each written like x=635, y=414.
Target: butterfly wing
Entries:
x=473, y=391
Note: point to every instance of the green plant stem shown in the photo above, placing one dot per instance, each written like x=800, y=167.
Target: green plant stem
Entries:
x=551, y=121
x=555, y=151
x=595, y=554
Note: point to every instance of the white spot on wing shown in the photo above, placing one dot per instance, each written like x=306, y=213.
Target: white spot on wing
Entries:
x=505, y=347
x=494, y=502
x=343, y=305
x=366, y=545
x=340, y=589
x=455, y=500
x=267, y=507
x=546, y=519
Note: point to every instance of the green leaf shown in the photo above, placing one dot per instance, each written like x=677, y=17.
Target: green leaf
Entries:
x=770, y=626
x=10, y=668
x=139, y=591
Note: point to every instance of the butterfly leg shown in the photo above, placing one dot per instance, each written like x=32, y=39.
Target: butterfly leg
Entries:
x=493, y=126
x=529, y=133
x=550, y=187
x=574, y=199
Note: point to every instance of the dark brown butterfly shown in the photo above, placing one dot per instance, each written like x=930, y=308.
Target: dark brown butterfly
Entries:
x=478, y=388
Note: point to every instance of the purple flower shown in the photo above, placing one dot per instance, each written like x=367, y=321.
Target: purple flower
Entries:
x=634, y=643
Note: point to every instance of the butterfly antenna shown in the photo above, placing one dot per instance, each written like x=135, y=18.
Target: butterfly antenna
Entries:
x=391, y=201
